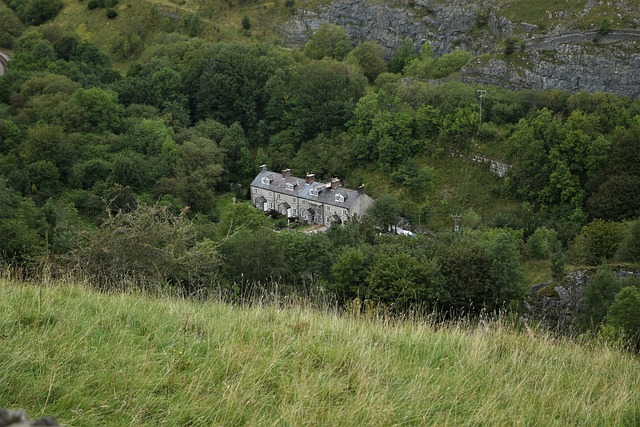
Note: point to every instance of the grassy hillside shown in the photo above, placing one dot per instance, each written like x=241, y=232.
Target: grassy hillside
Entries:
x=115, y=360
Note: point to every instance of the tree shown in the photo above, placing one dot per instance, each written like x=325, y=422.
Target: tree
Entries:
x=369, y=56
x=348, y=274
x=329, y=41
x=253, y=259
x=384, y=210
x=598, y=296
x=324, y=94
x=629, y=249
x=401, y=278
x=403, y=54
x=238, y=217
x=601, y=239
x=36, y=12
x=150, y=247
x=624, y=316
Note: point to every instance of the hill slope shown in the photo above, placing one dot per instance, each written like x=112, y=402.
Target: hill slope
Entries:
x=95, y=359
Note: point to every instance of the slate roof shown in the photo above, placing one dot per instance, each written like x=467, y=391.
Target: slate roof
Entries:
x=303, y=190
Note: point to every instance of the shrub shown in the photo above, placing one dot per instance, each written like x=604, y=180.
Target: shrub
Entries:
x=151, y=247
x=95, y=4
x=246, y=22
x=542, y=243
x=112, y=13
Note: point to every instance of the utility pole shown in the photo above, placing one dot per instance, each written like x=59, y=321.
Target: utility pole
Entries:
x=456, y=219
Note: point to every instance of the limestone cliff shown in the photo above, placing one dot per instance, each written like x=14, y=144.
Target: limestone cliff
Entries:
x=559, y=51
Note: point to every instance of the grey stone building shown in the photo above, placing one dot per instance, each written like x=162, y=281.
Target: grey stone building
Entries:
x=304, y=198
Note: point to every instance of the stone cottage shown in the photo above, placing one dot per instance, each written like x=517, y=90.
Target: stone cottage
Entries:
x=304, y=198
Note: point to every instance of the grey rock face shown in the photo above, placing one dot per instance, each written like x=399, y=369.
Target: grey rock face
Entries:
x=17, y=418
x=562, y=58
x=557, y=307
x=575, y=62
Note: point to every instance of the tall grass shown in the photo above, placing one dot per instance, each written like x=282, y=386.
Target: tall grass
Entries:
x=129, y=359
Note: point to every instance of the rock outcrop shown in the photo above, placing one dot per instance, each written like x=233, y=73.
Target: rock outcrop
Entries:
x=557, y=305
x=17, y=418
x=561, y=57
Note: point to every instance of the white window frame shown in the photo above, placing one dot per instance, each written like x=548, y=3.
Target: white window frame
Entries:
x=290, y=186
x=339, y=198
x=328, y=208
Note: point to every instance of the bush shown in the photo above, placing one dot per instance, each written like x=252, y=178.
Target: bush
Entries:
x=112, y=13
x=95, y=4
x=150, y=247
x=598, y=241
x=542, y=243
x=246, y=22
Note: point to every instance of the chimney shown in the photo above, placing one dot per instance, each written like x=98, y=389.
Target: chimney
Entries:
x=361, y=189
x=263, y=168
x=309, y=178
x=335, y=183
x=286, y=173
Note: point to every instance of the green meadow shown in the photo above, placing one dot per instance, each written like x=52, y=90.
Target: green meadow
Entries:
x=128, y=359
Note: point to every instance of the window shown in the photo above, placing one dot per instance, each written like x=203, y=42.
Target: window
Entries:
x=313, y=192
x=345, y=212
x=270, y=205
x=294, y=212
x=266, y=181
x=294, y=200
x=304, y=202
x=289, y=186
x=255, y=190
x=278, y=196
x=328, y=208
x=339, y=198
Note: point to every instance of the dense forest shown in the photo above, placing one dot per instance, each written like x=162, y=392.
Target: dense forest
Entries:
x=142, y=176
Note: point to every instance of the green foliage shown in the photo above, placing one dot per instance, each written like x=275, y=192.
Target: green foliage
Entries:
x=36, y=12
x=542, y=243
x=246, y=22
x=629, y=249
x=624, y=315
x=252, y=259
x=402, y=56
x=369, y=56
x=599, y=294
x=323, y=97
x=384, y=211
x=150, y=247
x=240, y=217
x=429, y=67
x=601, y=240
x=112, y=13
x=329, y=41
x=605, y=26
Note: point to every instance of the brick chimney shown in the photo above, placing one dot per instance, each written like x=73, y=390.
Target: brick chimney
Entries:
x=335, y=183
x=263, y=168
x=286, y=173
x=361, y=189
x=309, y=178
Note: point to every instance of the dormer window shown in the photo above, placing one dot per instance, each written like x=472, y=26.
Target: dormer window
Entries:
x=339, y=198
x=266, y=180
x=291, y=185
x=314, y=192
